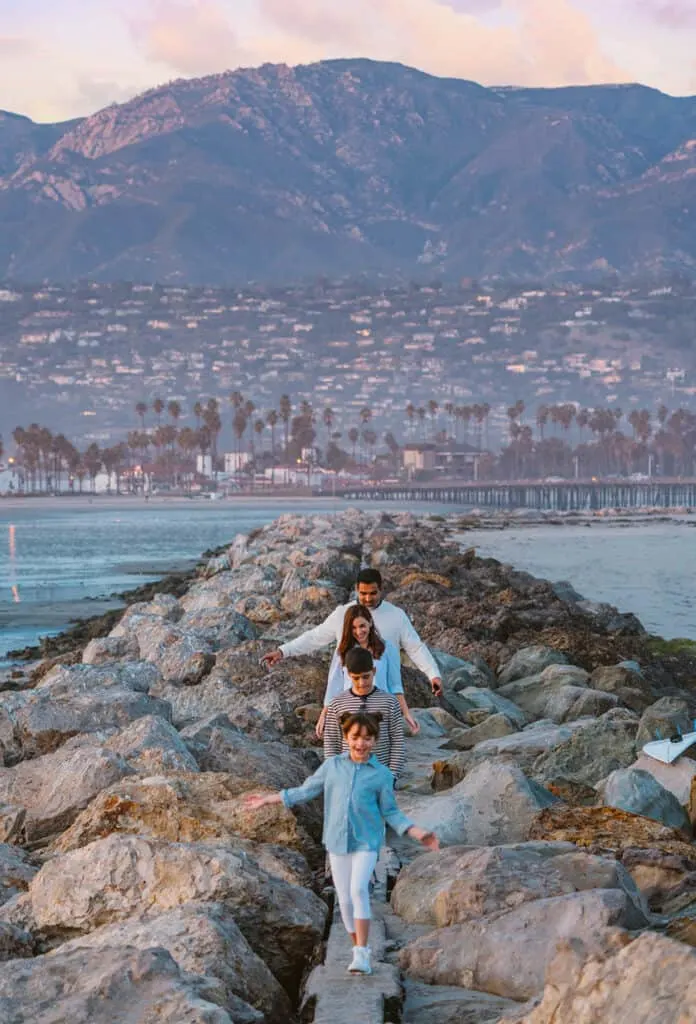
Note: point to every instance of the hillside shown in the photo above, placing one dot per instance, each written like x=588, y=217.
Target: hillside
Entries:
x=346, y=166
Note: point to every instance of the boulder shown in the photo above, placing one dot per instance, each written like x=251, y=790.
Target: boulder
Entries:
x=218, y=627
x=529, y=661
x=639, y=792
x=472, y=698
x=460, y=884
x=188, y=808
x=262, y=764
x=102, y=986
x=52, y=789
x=492, y=728
x=110, y=648
x=549, y=694
x=632, y=688
x=435, y=722
x=666, y=717
x=186, y=661
x=40, y=721
x=114, y=878
x=12, y=819
x=151, y=746
x=508, y=954
x=203, y=940
x=446, y=1004
x=457, y=673
x=649, y=981
x=69, y=680
x=608, y=618
x=591, y=752
x=16, y=872
x=496, y=803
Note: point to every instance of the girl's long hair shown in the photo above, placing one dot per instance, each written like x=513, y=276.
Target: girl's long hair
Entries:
x=375, y=643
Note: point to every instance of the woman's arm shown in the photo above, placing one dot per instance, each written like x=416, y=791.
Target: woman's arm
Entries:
x=396, y=686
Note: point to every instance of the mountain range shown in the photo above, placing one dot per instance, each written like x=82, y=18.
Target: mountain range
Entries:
x=352, y=166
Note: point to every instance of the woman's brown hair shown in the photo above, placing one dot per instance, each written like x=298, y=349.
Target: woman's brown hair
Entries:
x=363, y=720
x=375, y=643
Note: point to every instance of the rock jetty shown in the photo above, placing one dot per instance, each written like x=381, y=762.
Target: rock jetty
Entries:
x=135, y=885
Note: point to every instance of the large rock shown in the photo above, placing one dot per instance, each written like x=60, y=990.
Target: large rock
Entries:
x=472, y=698
x=508, y=954
x=492, y=728
x=639, y=792
x=463, y=884
x=39, y=721
x=496, y=803
x=529, y=661
x=103, y=986
x=187, y=808
x=218, y=627
x=551, y=693
x=14, y=944
x=265, y=764
x=152, y=746
x=632, y=688
x=443, y=1004
x=105, y=649
x=117, y=877
x=203, y=940
x=457, y=673
x=16, y=872
x=649, y=981
x=667, y=717
x=591, y=753
x=52, y=789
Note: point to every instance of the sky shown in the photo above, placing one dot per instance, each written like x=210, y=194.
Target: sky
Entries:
x=66, y=58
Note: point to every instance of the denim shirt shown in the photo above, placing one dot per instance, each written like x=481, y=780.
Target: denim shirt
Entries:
x=358, y=800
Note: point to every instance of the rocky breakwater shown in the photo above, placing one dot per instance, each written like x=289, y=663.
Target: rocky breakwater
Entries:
x=135, y=886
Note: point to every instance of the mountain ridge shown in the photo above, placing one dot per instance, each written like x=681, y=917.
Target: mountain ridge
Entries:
x=275, y=172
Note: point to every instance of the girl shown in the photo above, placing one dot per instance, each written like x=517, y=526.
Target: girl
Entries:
x=359, y=631
x=358, y=800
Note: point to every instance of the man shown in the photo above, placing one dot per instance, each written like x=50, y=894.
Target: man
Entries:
x=365, y=697
x=392, y=623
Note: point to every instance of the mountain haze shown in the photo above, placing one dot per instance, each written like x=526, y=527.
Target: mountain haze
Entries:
x=345, y=166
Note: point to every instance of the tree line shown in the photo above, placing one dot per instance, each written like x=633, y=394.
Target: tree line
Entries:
x=563, y=440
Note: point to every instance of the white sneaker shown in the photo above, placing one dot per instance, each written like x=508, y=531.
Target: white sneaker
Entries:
x=360, y=964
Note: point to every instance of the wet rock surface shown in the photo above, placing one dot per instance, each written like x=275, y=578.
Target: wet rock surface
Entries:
x=135, y=886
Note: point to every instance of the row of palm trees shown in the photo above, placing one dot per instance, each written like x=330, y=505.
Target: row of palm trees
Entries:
x=539, y=442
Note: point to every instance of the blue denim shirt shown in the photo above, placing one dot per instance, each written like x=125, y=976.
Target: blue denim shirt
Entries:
x=358, y=800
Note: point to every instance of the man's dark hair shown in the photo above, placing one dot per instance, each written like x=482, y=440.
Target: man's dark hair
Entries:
x=358, y=660
x=370, y=576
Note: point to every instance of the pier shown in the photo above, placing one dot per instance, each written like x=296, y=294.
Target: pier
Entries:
x=566, y=496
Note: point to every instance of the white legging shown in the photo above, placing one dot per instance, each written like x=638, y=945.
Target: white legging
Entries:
x=351, y=873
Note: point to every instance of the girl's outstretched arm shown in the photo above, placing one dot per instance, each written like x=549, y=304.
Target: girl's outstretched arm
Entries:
x=309, y=790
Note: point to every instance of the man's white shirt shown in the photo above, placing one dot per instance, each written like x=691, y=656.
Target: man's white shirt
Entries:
x=393, y=624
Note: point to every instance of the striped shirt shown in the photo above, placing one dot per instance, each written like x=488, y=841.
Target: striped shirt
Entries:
x=389, y=748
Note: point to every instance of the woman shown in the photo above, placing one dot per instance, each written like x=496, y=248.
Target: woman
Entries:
x=359, y=631
x=358, y=800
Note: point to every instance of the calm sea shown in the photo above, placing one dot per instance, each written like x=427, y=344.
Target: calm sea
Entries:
x=61, y=563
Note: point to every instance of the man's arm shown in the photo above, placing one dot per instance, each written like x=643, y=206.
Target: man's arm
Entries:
x=333, y=737
x=397, y=751
x=419, y=653
x=327, y=632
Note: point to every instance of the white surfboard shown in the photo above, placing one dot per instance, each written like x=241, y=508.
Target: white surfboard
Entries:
x=668, y=751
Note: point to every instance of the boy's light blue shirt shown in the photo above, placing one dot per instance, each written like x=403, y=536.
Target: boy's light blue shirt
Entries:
x=358, y=800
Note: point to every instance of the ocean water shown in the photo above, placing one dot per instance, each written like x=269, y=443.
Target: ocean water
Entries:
x=62, y=562
x=648, y=568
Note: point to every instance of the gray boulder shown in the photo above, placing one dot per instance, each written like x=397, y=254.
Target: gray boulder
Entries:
x=458, y=673
x=666, y=717
x=508, y=954
x=551, y=693
x=203, y=940
x=16, y=872
x=103, y=986
x=462, y=884
x=591, y=752
x=472, y=698
x=529, y=661
x=638, y=792
x=151, y=746
x=632, y=688
x=447, y=1004
x=492, y=728
x=496, y=803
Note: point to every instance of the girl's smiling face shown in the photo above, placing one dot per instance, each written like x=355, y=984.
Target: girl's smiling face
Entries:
x=360, y=743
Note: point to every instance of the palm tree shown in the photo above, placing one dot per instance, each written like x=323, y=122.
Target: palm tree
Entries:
x=353, y=436
x=239, y=425
x=410, y=416
x=198, y=413
x=141, y=409
x=285, y=409
x=433, y=409
x=93, y=463
x=542, y=418
x=158, y=409
x=420, y=412
x=272, y=421
x=174, y=411
x=365, y=415
x=328, y=418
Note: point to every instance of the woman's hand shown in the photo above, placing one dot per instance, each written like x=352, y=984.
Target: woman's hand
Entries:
x=412, y=724
x=425, y=838
x=319, y=727
x=254, y=801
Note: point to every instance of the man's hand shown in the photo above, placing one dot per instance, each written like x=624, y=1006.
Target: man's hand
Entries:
x=427, y=839
x=436, y=684
x=412, y=723
x=272, y=658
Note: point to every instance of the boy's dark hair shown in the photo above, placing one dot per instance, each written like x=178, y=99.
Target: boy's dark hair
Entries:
x=359, y=660
x=370, y=576
x=363, y=720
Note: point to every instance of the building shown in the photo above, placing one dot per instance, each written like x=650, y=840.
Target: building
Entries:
x=418, y=458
